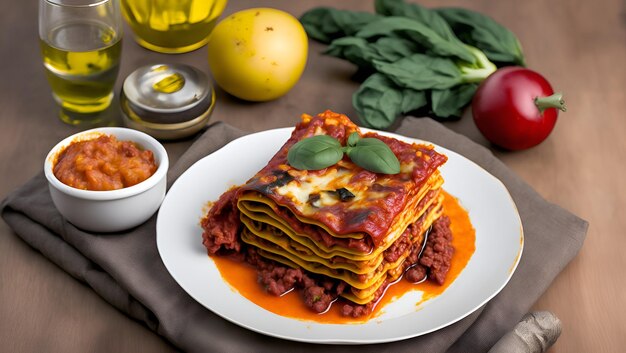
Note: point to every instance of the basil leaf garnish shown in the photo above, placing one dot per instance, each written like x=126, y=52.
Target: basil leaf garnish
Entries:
x=353, y=139
x=322, y=151
x=374, y=155
x=314, y=153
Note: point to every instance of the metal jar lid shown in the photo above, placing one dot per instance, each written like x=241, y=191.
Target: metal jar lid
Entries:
x=169, y=101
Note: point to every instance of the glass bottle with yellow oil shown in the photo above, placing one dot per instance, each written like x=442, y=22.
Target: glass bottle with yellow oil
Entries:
x=172, y=26
x=81, y=47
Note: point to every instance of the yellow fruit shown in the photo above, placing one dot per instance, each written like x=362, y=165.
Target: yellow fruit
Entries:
x=258, y=54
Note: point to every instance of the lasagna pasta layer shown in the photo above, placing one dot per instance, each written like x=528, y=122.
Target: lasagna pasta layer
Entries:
x=267, y=228
x=362, y=288
x=318, y=238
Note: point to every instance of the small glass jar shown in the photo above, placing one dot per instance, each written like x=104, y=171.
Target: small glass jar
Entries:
x=172, y=26
x=167, y=101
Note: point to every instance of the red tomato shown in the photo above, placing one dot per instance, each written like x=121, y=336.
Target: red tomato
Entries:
x=516, y=108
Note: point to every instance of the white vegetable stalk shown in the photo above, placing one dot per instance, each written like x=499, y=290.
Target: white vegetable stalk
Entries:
x=535, y=333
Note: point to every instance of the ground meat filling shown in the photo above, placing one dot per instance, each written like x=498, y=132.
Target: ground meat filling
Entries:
x=221, y=225
x=221, y=236
x=438, y=252
x=278, y=279
x=318, y=293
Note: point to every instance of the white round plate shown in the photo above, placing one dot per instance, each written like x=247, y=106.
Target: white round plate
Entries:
x=499, y=243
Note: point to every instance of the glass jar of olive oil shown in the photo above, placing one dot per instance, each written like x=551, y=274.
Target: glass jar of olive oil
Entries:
x=172, y=26
x=81, y=49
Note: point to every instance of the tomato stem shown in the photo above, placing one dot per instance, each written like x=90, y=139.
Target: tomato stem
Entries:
x=553, y=101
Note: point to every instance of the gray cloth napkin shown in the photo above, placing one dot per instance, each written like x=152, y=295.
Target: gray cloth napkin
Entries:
x=126, y=270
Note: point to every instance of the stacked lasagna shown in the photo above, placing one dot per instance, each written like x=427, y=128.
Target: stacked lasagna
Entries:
x=355, y=228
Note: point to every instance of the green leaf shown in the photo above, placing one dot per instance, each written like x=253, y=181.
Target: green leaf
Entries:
x=392, y=49
x=379, y=101
x=363, y=53
x=418, y=32
x=374, y=155
x=450, y=102
x=353, y=139
x=420, y=71
x=412, y=100
x=314, y=153
x=326, y=24
x=322, y=151
x=481, y=31
x=356, y=50
x=418, y=13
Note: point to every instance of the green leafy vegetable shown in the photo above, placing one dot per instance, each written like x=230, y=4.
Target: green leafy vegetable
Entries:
x=379, y=101
x=412, y=100
x=450, y=102
x=356, y=50
x=416, y=57
x=314, y=153
x=325, y=24
x=362, y=53
x=495, y=40
x=322, y=151
x=417, y=31
x=418, y=13
x=420, y=71
x=478, y=71
x=391, y=49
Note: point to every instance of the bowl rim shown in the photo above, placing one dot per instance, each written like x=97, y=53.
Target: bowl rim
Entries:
x=144, y=140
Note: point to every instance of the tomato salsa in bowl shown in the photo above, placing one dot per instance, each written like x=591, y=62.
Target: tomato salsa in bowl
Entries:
x=107, y=179
x=103, y=163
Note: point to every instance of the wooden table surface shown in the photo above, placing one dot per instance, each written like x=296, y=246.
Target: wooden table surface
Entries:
x=579, y=45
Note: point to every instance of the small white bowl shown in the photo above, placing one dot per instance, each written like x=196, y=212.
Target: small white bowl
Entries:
x=114, y=210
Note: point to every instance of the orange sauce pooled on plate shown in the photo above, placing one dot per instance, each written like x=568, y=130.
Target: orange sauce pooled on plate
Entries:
x=242, y=277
